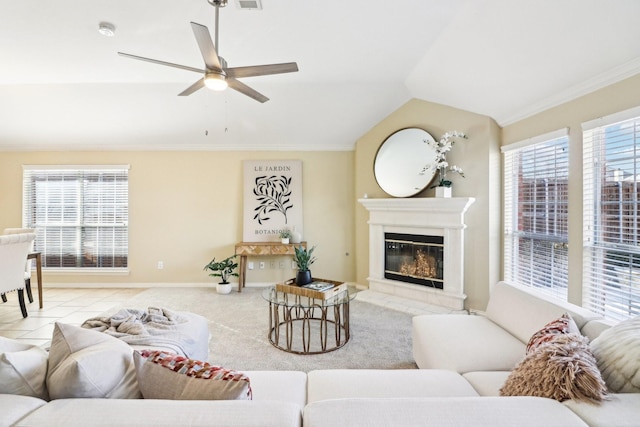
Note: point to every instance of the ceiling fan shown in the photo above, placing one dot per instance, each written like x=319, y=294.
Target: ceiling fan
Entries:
x=216, y=74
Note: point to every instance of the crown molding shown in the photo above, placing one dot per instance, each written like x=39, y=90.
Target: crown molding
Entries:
x=174, y=147
x=600, y=81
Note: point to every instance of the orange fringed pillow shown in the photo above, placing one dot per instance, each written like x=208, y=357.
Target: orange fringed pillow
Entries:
x=561, y=368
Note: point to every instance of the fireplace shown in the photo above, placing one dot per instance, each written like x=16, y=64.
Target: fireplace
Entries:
x=414, y=258
x=416, y=248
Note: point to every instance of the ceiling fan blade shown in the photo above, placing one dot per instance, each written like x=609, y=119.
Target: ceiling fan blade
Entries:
x=244, y=89
x=207, y=49
x=262, y=70
x=194, y=87
x=155, y=61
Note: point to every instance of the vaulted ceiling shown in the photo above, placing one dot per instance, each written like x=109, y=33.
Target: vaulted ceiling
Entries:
x=63, y=86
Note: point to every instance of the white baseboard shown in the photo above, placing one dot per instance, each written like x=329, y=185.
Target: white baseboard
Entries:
x=149, y=285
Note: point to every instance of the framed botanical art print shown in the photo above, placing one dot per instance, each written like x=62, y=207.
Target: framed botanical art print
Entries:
x=272, y=199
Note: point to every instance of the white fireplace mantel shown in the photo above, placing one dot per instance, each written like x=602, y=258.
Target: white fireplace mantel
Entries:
x=432, y=216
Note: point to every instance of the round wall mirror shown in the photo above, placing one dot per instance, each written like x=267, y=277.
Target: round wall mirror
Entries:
x=400, y=163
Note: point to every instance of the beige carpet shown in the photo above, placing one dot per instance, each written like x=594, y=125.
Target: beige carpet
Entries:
x=238, y=323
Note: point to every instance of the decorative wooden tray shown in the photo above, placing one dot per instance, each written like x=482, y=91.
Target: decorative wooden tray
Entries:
x=290, y=287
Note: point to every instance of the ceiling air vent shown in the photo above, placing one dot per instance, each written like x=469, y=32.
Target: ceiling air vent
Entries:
x=249, y=4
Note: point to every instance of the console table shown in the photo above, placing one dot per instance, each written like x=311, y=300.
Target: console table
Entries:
x=245, y=249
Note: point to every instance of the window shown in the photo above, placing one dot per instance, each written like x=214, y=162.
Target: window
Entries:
x=536, y=213
x=611, y=263
x=81, y=215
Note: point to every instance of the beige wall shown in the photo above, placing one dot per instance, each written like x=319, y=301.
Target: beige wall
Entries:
x=478, y=156
x=186, y=207
x=609, y=100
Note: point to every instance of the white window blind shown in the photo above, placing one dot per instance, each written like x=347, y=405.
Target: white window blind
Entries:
x=81, y=214
x=611, y=262
x=536, y=213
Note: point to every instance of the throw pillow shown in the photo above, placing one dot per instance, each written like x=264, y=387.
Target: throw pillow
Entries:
x=562, y=368
x=86, y=363
x=23, y=369
x=562, y=325
x=163, y=375
x=617, y=351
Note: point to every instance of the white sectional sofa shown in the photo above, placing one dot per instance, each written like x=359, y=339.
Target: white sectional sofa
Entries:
x=495, y=341
x=356, y=397
x=485, y=348
x=463, y=361
x=423, y=397
x=481, y=350
x=278, y=400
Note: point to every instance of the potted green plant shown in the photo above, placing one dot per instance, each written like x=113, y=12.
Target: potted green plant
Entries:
x=223, y=269
x=303, y=260
x=285, y=235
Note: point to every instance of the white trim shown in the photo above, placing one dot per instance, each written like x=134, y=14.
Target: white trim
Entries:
x=612, y=118
x=94, y=285
x=89, y=271
x=600, y=81
x=549, y=136
x=76, y=167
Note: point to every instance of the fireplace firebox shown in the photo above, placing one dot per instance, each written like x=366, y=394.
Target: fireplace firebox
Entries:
x=413, y=258
x=423, y=216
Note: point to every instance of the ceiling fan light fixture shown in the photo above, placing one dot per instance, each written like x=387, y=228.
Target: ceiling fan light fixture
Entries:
x=215, y=81
x=218, y=3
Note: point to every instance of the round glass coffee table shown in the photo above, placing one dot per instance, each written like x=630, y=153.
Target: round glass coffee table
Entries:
x=304, y=325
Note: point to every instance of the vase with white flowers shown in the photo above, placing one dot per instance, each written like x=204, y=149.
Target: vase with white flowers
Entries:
x=441, y=166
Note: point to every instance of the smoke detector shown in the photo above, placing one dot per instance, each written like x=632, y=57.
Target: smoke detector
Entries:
x=106, y=29
x=249, y=4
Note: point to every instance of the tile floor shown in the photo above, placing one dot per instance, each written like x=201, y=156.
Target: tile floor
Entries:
x=68, y=305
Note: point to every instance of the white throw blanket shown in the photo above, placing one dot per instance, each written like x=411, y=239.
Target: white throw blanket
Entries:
x=156, y=327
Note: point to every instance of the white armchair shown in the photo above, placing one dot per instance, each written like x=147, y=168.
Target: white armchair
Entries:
x=28, y=264
x=14, y=249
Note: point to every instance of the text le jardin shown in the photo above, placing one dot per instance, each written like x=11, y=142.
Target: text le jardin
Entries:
x=272, y=168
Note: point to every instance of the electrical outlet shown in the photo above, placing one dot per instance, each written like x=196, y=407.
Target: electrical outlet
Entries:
x=272, y=265
x=261, y=265
x=250, y=265
x=160, y=265
x=293, y=265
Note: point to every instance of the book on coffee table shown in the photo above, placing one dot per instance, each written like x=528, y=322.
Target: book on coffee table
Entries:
x=318, y=286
